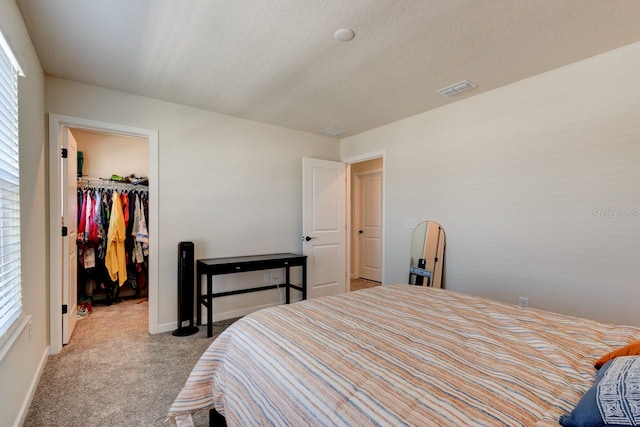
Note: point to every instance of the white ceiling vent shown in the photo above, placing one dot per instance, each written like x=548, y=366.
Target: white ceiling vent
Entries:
x=456, y=88
x=334, y=131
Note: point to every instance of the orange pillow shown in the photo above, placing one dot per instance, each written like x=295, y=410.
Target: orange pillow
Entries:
x=632, y=349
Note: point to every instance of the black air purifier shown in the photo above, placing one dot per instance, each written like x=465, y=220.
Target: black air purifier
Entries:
x=185, y=290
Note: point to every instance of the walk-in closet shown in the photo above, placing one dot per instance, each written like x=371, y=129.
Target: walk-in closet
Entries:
x=112, y=220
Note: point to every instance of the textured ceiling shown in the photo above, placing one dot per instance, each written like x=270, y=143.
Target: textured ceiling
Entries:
x=277, y=61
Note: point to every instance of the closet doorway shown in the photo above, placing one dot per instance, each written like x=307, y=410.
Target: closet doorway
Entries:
x=109, y=154
x=110, y=167
x=366, y=219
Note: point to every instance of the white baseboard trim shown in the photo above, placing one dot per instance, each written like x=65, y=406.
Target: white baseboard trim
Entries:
x=22, y=415
x=167, y=327
x=217, y=317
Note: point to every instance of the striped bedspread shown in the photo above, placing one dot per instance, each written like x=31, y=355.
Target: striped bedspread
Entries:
x=399, y=355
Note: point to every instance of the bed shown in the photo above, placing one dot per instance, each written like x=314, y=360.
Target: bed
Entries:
x=398, y=355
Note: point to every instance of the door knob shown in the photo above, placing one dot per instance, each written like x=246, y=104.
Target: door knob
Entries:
x=307, y=238
x=360, y=231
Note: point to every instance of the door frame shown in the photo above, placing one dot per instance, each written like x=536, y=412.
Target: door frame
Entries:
x=357, y=159
x=57, y=125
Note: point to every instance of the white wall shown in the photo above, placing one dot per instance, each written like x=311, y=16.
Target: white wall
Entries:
x=525, y=180
x=105, y=155
x=232, y=186
x=19, y=369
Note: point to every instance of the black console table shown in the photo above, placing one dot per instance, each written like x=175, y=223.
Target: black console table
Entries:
x=215, y=266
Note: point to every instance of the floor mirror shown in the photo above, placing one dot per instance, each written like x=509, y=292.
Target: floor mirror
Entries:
x=427, y=255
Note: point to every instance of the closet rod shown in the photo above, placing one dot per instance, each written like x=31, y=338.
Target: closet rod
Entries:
x=108, y=184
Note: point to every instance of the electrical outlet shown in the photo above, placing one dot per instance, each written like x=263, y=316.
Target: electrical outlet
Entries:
x=265, y=277
x=523, y=301
x=410, y=223
x=273, y=276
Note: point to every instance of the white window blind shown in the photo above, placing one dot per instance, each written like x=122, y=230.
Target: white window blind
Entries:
x=10, y=277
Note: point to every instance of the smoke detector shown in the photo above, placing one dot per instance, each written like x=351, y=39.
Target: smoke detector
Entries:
x=456, y=88
x=344, y=35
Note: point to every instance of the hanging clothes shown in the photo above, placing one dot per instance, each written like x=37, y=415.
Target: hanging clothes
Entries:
x=101, y=273
x=82, y=237
x=142, y=235
x=125, y=208
x=116, y=261
x=93, y=223
x=101, y=235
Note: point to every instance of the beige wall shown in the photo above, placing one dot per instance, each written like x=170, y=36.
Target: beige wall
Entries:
x=525, y=181
x=231, y=186
x=20, y=367
x=367, y=165
x=105, y=155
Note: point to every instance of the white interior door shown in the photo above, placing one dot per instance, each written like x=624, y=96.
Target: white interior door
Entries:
x=323, y=226
x=371, y=226
x=69, y=202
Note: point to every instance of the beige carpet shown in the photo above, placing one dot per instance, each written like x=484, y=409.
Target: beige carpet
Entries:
x=114, y=373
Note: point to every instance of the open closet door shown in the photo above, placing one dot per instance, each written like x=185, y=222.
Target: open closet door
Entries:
x=323, y=226
x=69, y=250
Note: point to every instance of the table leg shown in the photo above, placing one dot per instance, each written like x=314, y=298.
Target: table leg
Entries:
x=210, y=305
x=304, y=279
x=288, y=283
x=198, y=298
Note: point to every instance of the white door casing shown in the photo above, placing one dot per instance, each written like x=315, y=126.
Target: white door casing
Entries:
x=58, y=125
x=323, y=226
x=69, y=202
x=370, y=224
x=353, y=254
